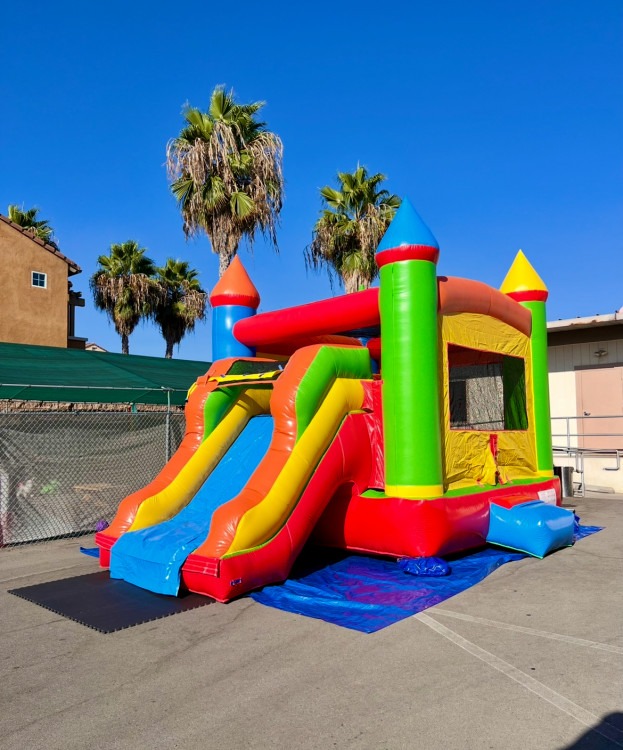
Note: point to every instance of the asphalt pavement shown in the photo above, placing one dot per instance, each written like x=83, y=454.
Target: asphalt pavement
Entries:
x=530, y=658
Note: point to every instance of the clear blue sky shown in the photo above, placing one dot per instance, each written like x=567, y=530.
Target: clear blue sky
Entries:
x=502, y=122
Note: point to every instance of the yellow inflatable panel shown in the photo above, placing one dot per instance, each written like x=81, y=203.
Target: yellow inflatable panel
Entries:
x=467, y=455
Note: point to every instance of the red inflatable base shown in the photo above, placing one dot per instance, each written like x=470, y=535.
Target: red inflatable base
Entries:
x=418, y=528
x=390, y=526
x=384, y=526
x=105, y=543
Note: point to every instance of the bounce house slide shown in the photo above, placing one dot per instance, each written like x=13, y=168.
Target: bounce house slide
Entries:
x=270, y=481
x=152, y=557
x=204, y=411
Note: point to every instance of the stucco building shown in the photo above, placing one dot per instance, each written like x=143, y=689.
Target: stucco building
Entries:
x=37, y=304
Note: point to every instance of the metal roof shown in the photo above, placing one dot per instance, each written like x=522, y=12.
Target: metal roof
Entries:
x=590, y=321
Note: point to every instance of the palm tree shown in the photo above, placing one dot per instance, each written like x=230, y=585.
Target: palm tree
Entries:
x=28, y=220
x=122, y=286
x=347, y=233
x=226, y=173
x=181, y=304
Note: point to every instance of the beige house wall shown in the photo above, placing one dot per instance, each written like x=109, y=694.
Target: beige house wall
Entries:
x=31, y=315
x=564, y=360
x=562, y=400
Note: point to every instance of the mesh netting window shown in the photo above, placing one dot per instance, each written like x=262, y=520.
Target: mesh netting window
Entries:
x=246, y=367
x=487, y=390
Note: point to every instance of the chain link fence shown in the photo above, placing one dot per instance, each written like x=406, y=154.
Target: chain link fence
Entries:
x=64, y=472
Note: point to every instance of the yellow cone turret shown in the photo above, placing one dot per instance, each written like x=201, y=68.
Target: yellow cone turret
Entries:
x=523, y=283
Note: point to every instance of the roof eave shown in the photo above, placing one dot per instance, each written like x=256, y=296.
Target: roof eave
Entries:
x=73, y=268
x=594, y=321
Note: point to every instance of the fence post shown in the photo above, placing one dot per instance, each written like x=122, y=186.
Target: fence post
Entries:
x=167, y=428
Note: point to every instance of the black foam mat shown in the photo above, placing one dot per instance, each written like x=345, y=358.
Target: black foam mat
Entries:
x=106, y=604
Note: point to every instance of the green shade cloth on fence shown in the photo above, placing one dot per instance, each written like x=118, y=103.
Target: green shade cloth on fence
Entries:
x=46, y=373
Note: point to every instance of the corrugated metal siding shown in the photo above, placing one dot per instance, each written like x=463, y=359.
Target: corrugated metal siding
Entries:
x=568, y=357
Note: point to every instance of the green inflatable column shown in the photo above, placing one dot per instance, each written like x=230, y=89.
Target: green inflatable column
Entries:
x=524, y=285
x=407, y=257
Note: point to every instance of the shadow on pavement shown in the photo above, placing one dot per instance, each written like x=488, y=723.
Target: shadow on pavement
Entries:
x=606, y=735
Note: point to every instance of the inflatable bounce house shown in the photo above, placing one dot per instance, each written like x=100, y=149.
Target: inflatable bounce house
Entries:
x=409, y=420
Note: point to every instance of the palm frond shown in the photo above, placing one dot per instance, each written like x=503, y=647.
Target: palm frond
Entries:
x=347, y=233
x=27, y=219
x=122, y=286
x=225, y=170
x=181, y=302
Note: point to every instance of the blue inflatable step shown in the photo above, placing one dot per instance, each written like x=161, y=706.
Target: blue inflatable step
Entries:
x=535, y=528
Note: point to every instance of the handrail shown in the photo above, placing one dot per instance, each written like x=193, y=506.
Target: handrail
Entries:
x=569, y=435
x=579, y=453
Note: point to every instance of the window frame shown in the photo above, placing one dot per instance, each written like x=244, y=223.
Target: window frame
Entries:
x=40, y=274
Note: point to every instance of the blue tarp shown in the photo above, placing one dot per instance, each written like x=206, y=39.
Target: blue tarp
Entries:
x=153, y=557
x=90, y=551
x=368, y=594
x=583, y=531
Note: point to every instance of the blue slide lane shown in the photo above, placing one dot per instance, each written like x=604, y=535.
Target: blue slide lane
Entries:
x=153, y=557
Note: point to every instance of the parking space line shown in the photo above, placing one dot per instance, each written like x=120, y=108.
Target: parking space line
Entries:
x=530, y=631
x=557, y=700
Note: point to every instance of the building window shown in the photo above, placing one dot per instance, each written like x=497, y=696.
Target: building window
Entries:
x=39, y=279
x=487, y=390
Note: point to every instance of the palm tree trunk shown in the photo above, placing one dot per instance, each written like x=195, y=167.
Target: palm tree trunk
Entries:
x=223, y=263
x=355, y=283
x=169, y=352
x=125, y=343
x=226, y=252
x=351, y=283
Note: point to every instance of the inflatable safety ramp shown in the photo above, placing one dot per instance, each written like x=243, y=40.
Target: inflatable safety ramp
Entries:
x=250, y=496
x=532, y=526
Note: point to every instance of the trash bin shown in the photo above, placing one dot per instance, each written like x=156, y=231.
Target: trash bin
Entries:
x=565, y=474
